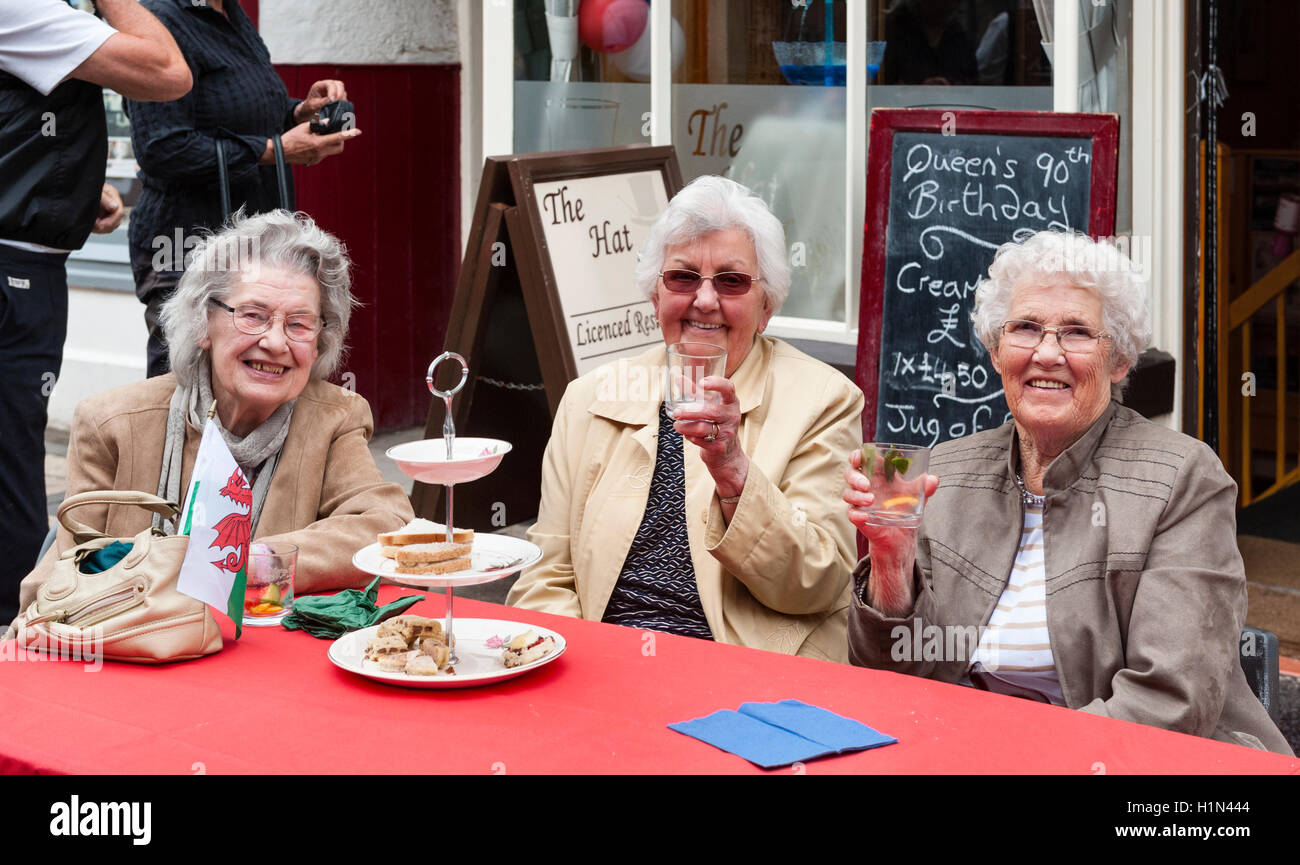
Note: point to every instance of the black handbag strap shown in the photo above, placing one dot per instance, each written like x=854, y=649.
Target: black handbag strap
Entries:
x=280, y=174
x=223, y=181
x=223, y=176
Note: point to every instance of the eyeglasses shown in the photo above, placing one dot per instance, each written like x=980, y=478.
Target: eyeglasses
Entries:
x=730, y=283
x=1072, y=337
x=254, y=321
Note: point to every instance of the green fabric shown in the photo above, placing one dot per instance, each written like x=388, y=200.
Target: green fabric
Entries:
x=331, y=616
x=103, y=559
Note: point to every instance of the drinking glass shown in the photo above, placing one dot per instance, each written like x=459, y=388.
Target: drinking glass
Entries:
x=897, y=475
x=268, y=594
x=688, y=363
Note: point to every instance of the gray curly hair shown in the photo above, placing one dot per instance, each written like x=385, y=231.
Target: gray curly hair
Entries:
x=1096, y=265
x=281, y=239
x=709, y=204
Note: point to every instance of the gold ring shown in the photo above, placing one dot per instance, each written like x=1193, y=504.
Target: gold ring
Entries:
x=713, y=436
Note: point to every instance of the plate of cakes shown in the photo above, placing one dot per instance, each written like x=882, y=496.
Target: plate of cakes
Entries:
x=412, y=651
x=419, y=554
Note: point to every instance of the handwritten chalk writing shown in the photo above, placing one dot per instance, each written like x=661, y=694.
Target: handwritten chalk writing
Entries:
x=947, y=323
x=561, y=209
x=910, y=280
x=619, y=241
x=953, y=201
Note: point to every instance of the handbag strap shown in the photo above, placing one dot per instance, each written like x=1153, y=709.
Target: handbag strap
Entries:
x=82, y=532
x=223, y=181
x=223, y=176
x=281, y=175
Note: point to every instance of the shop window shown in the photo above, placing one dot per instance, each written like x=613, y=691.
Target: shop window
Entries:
x=581, y=81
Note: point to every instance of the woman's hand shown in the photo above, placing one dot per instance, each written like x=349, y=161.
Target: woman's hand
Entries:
x=301, y=147
x=714, y=427
x=892, y=550
x=322, y=93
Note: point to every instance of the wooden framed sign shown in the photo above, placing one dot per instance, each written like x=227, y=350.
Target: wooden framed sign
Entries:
x=579, y=219
x=545, y=294
x=945, y=189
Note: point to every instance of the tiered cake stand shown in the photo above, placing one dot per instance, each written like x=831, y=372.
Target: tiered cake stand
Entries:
x=448, y=461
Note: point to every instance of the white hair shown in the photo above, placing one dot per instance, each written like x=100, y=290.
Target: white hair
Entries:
x=281, y=239
x=1095, y=265
x=708, y=204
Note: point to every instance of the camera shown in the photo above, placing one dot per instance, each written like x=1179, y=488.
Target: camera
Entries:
x=334, y=117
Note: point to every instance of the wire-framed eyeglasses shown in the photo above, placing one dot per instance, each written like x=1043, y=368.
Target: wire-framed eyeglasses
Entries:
x=256, y=320
x=1075, y=338
x=731, y=283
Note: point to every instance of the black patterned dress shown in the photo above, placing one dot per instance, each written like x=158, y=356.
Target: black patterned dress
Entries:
x=656, y=589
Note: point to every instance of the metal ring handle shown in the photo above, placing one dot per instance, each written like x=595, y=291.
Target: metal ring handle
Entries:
x=464, y=374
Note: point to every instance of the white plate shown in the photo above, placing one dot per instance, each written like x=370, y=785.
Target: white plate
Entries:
x=494, y=557
x=479, y=664
x=426, y=461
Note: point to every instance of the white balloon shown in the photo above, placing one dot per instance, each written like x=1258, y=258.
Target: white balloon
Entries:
x=635, y=61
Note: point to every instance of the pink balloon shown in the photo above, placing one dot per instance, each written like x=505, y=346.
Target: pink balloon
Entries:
x=611, y=25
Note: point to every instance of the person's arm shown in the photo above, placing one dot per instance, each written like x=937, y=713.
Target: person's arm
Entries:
x=92, y=465
x=1184, y=630
x=141, y=61
x=356, y=504
x=789, y=540
x=550, y=585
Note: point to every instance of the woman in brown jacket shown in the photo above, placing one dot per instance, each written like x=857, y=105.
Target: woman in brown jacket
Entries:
x=257, y=323
x=1079, y=555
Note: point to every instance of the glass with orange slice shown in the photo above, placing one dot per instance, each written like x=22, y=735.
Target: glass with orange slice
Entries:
x=268, y=592
x=897, y=475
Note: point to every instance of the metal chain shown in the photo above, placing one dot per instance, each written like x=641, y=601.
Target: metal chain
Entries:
x=510, y=385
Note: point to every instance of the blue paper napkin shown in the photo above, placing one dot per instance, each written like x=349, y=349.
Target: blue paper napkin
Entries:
x=778, y=734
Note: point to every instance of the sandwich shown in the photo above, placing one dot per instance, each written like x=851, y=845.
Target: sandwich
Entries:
x=420, y=531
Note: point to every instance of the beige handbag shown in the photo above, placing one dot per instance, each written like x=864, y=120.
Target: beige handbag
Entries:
x=130, y=612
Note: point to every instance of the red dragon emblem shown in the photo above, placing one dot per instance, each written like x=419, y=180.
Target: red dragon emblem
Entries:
x=233, y=530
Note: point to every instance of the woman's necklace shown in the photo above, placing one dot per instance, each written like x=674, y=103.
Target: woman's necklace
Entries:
x=1030, y=499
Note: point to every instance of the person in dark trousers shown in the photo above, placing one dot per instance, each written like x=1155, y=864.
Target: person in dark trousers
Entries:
x=54, y=60
x=239, y=100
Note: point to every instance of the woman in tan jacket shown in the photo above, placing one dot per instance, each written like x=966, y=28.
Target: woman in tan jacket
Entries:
x=719, y=521
x=257, y=323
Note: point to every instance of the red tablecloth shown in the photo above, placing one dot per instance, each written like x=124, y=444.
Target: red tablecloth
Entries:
x=273, y=702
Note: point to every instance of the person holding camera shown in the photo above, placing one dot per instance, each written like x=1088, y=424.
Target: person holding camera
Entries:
x=238, y=101
x=54, y=62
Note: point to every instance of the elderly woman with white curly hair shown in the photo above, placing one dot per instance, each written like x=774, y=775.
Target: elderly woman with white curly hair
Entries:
x=257, y=323
x=1079, y=555
x=719, y=521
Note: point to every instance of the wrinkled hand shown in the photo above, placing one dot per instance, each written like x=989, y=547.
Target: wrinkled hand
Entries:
x=301, y=147
x=723, y=457
x=322, y=93
x=111, y=210
x=892, y=549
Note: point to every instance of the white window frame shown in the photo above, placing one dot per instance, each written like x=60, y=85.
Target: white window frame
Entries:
x=1157, y=136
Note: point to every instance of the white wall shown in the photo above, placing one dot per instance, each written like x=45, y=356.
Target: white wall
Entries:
x=105, y=348
x=360, y=31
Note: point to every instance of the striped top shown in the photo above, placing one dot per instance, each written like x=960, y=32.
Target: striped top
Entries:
x=1015, y=646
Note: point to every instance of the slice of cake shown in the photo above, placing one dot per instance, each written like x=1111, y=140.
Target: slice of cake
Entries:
x=526, y=648
x=396, y=663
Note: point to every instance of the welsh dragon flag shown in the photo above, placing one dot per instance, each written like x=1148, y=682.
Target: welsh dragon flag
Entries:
x=216, y=517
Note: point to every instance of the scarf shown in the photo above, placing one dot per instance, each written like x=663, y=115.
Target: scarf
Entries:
x=257, y=453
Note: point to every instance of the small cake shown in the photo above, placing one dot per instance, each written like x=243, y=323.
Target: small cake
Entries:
x=386, y=645
x=396, y=663
x=526, y=648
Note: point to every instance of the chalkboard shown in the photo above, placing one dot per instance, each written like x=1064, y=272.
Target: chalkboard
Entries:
x=945, y=190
